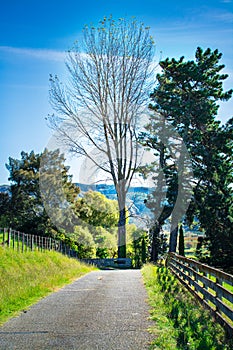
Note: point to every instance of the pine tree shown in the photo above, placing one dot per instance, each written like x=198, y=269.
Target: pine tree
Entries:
x=187, y=96
x=26, y=210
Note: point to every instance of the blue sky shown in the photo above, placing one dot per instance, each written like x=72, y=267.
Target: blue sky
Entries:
x=35, y=34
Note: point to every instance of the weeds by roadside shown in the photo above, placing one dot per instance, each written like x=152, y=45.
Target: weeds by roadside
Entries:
x=180, y=322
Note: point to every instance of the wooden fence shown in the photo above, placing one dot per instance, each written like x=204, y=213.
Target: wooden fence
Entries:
x=209, y=285
x=23, y=242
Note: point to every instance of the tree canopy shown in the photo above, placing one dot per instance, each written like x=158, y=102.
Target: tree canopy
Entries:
x=187, y=97
x=25, y=210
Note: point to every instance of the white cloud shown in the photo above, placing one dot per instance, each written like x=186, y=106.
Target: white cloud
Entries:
x=40, y=54
x=226, y=17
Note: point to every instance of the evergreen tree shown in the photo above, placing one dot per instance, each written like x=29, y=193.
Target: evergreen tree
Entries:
x=170, y=176
x=158, y=242
x=187, y=97
x=4, y=209
x=139, y=253
x=57, y=191
x=26, y=210
x=213, y=196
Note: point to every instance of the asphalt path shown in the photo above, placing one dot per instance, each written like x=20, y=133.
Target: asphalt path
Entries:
x=103, y=310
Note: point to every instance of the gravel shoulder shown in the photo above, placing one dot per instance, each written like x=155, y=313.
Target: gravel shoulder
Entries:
x=103, y=310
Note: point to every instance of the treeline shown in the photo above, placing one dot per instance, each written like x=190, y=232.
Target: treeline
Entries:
x=87, y=223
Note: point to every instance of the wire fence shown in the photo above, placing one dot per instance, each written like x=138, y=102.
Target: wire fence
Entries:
x=23, y=242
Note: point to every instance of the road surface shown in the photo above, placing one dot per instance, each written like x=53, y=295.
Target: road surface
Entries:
x=104, y=310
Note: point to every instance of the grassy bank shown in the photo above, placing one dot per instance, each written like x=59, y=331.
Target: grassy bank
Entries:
x=26, y=277
x=180, y=322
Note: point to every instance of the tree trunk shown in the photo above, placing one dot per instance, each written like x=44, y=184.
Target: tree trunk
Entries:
x=155, y=243
x=122, y=220
x=181, y=241
x=122, y=234
x=173, y=235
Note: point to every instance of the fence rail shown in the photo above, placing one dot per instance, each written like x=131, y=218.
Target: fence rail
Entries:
x=209, y=285
x=23, y=242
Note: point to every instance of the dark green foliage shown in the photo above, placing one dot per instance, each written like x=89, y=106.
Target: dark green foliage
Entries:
x=58, y=192
x=187, y=96
x=158, y=242
x=139, y=254
x=144, y=250
x=213, y=197
x=25, y=203
x=187, y=92
x=102, y=253
x=4, y=209
x=199, y=248
x=25, y=210
x=161, y=140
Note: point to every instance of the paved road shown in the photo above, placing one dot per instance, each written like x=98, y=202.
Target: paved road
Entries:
x=103, y=310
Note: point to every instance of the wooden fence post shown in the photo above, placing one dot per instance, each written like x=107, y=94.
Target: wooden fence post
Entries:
x=13, y=238
x=4, y=236
x=205, y=274
x=27, y=243
x=18, y=239
x=23, y=241
x=32, y=242
x=9, y=237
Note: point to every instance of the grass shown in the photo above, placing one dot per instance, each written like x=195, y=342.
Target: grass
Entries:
x=180, y=322
x=27, y=277
x=228, y=287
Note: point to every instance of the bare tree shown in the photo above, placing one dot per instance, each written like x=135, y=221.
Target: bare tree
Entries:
x=110, y=75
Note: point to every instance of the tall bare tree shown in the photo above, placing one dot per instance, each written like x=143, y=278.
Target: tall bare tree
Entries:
x=101, y=106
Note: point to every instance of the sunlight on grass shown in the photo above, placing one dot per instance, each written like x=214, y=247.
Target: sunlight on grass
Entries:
x=180, y=322
x=163, y=331
x=26, y=277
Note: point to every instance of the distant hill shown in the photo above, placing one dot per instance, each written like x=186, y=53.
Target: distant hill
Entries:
x=135, y=199
x=4, y=188
x=109, y=190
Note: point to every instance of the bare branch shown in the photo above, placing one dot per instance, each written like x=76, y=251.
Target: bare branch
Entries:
x=109, y=80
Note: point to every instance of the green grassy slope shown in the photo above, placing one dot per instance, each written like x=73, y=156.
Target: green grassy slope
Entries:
x=26, y=277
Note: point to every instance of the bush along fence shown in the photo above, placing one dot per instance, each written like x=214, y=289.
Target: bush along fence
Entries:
x=212, y=287
x=23, y=242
